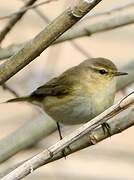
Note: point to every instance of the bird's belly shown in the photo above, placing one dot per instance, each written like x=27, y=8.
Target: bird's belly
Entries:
x=74, y=110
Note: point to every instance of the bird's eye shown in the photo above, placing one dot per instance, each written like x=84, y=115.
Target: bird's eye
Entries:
x=103, y=71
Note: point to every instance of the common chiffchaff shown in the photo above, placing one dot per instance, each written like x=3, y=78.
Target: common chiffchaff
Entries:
x=80, y=93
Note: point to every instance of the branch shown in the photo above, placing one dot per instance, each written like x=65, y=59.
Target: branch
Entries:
x=9, y=168
x=74, y=44
x=13, y=21
x=85, y=28
x=38, y=44
x=38, y=128
x=10, y=50
x=88, y=128
x=117, y=125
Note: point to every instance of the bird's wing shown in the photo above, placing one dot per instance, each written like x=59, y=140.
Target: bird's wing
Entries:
x=56, y=87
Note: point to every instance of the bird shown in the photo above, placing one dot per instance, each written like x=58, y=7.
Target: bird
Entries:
x=78, y=94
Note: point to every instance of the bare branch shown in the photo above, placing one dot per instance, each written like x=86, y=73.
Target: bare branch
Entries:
x=47, y=155
x=9, y=168
x=74, y=44
x=10, y=50
x=117, y=125
x=85, y=28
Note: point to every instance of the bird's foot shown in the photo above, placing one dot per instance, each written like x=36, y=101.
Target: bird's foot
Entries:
x=106, y=129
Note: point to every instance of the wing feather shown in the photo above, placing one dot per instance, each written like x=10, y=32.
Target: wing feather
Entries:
x=55, y=87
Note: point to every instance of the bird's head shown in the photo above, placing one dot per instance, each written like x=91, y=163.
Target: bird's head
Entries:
x=101, y=69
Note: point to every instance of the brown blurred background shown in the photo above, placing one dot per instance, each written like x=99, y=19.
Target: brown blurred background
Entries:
x=112, y=159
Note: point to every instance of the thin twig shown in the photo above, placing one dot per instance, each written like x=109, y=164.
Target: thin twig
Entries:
x=46, y=155
x=80, y=49
x=8, y=28
x=42, y=16
x=6, y=87
x=13, y=21
x=24, y=9
x=112, y=10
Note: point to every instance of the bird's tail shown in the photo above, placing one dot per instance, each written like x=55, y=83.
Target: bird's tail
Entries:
x=18, y=99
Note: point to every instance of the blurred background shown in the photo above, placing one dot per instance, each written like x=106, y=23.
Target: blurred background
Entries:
x=112, y=159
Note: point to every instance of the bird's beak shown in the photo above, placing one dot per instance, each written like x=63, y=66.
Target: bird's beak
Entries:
x=120, y=73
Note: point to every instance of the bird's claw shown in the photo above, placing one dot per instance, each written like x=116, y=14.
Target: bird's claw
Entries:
x=106, y=129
